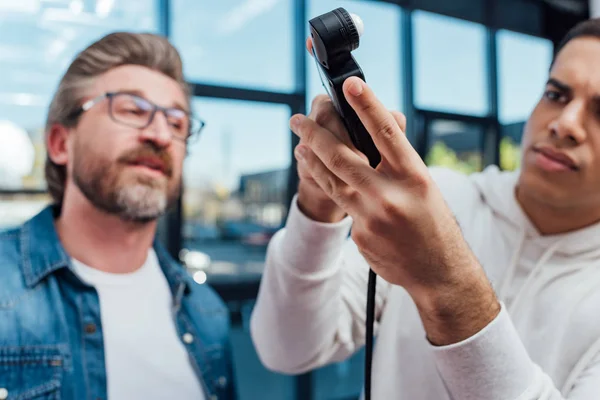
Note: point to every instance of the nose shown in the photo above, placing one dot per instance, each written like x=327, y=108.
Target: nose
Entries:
x=158, y=131
x=569, y=124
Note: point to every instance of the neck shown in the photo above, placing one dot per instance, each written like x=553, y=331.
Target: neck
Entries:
x=552, y=220
x=100, y=240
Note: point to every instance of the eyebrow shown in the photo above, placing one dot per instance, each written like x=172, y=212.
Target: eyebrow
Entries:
x=563, y=87
x=139, y=93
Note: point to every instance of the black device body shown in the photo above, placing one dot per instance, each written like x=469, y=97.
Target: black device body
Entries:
x=334, y=37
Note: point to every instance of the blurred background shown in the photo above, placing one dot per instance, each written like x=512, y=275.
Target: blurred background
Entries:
x=465, y=72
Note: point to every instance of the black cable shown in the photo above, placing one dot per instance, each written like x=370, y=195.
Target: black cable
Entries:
x=369, y=334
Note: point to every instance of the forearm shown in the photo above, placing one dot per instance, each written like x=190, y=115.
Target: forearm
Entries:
x=459, y=307
x=298, y=310
x=477, y=349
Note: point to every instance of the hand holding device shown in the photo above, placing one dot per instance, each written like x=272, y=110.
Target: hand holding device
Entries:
x=335, y=35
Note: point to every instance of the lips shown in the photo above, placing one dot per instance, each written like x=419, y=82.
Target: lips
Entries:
x=153, y=163
x=159, y=162
x=558, y=157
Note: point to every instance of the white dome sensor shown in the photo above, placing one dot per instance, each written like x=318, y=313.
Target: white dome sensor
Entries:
x=358, y=22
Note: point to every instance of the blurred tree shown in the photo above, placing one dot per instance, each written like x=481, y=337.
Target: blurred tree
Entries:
x=510, y=154
x=442, y=155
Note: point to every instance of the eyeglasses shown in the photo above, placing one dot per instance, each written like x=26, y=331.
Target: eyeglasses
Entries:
x=137, y=112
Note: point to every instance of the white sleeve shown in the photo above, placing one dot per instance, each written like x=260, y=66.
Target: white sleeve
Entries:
x=494, y=365
x=311, y=306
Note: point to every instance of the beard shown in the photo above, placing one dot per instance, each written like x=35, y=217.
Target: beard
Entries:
x=111, y=188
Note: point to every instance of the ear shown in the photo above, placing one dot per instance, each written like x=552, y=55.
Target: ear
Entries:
x=57, y=144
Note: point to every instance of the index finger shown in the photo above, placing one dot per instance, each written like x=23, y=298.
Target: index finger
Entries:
x=309, y=45
x=387, y=135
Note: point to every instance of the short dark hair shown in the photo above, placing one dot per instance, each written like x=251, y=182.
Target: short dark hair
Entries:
x=587, y=28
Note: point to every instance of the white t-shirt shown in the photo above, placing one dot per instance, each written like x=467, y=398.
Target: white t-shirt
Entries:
x=145, y=358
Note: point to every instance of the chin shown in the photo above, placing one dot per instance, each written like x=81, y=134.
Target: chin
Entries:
x=141, y=203
x=553, y=192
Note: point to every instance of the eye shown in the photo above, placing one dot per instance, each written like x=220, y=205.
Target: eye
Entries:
x=554, y=96
x=135, y=111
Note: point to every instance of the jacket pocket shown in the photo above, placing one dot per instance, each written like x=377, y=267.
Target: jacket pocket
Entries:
x=30, y=373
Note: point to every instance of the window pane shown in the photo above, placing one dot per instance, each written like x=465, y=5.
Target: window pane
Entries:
x=378, y=53
x=455, y=144
x=38, y=40
x=449, y=64
x=236, y=183
x=16, y=209
x=236, y=42
x=523, y=65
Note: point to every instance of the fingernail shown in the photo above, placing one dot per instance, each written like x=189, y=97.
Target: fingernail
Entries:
x=356, y=88
x=295, y=121
x=300, y=153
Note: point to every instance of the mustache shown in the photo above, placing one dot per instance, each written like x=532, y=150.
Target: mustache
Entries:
x=148, y=151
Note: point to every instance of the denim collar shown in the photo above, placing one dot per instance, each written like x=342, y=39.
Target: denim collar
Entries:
x=43, y=254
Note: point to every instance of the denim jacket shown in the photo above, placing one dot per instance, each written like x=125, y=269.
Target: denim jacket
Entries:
x=51, y=343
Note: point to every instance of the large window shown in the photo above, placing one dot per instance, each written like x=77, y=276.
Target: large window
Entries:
x=236, y=42
x=523, y=66
x=449, y=64
x=378, y=53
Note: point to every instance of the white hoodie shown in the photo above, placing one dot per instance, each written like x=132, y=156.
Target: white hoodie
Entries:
x=544, y=344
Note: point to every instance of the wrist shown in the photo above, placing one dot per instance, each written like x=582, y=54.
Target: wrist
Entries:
x=318, y=206
x=458, y=308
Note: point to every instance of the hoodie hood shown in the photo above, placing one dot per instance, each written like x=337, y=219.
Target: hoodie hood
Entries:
x=497, y=190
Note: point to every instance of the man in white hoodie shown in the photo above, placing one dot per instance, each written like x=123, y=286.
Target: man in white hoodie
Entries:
x=489, y=284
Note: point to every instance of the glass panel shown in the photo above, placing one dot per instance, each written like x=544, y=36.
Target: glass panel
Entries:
x=17, y=208
x=449, y=65
x=523, y=65
x=236, y=185
x=38, y=40
x=378, y=53
x=456, y=145
x=236, y=42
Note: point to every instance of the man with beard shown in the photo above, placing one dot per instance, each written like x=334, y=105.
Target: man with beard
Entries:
x=91, y=306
